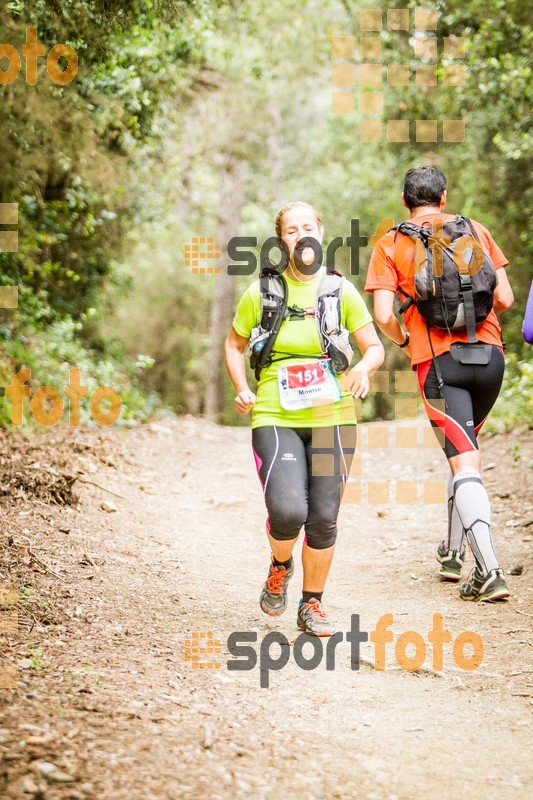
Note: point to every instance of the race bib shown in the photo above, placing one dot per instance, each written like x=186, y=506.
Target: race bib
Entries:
x=301, y=384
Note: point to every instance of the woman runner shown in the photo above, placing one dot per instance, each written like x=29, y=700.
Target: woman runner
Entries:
x=303, y=448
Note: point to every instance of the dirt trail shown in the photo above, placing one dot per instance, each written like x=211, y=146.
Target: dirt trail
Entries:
x=110, y=701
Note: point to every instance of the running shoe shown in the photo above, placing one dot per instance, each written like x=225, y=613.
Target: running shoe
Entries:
x=488, y=588
x=451, y=563
x=313, y=619
x=273, y=599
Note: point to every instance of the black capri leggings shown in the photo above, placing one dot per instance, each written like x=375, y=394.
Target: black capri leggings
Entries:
x=303, y=472
x=468, y=394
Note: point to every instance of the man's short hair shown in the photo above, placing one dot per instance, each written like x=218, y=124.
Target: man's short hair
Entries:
x=423, y=186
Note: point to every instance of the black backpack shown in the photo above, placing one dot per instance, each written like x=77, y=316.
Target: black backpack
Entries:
x=455, y=286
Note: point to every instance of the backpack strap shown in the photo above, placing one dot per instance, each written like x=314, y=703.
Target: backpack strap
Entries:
x=438, y=373
x=330, y=286
x=407, y=303
x=470, y=311
x=476, y=236
x=408, y=229
x=423, y=234
x=334, y=337
x=467, y=290
x=273, y=292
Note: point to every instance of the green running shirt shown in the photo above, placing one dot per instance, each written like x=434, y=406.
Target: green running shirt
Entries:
x=299, y=336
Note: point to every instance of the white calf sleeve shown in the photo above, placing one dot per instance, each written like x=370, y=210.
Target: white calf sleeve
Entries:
x=473, y=507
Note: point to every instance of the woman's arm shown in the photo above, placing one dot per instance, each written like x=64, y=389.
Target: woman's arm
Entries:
x=234, y=350
x=357, y=379
x=527, y=325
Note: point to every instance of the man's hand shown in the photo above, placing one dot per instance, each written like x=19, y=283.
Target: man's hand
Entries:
x=357, y=382
x=244, y=401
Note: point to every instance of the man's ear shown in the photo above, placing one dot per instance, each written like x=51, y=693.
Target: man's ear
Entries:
x=404, y=203
x=444, y=198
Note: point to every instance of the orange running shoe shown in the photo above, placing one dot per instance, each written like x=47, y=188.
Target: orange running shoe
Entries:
x=273, y=599
x=312, y=619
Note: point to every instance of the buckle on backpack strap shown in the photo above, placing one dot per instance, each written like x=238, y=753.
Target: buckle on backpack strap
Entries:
x=406, y=304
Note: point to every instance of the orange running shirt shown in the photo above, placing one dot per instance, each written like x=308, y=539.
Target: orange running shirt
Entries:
x=392, y=267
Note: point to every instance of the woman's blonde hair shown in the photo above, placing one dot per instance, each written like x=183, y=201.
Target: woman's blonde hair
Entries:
x=288, y=207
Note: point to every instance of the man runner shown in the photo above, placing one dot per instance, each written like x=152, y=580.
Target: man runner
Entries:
x=467, y=391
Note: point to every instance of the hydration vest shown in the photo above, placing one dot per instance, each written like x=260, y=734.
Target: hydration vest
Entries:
x=334, y=337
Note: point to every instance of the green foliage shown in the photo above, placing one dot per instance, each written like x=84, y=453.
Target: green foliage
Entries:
x=514, y=408
x=50, y=359
x=489, y=174
x=115, y=172
x=62, y=259
x=72, y=153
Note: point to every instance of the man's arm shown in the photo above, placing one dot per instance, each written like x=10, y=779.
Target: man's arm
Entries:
x=503, y=294
x=384, y=316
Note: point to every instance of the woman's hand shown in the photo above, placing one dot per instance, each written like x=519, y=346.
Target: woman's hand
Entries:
x=357, y=382
x=234, y=349
x=244, y=401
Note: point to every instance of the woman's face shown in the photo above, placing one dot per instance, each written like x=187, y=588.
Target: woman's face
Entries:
x=296, y=224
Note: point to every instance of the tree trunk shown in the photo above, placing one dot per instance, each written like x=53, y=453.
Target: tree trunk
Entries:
x=188, y=153
x=231, y=203
x=275, y=152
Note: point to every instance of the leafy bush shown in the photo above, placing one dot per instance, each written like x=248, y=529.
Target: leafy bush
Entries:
x=50, y=358
x=513, y=409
